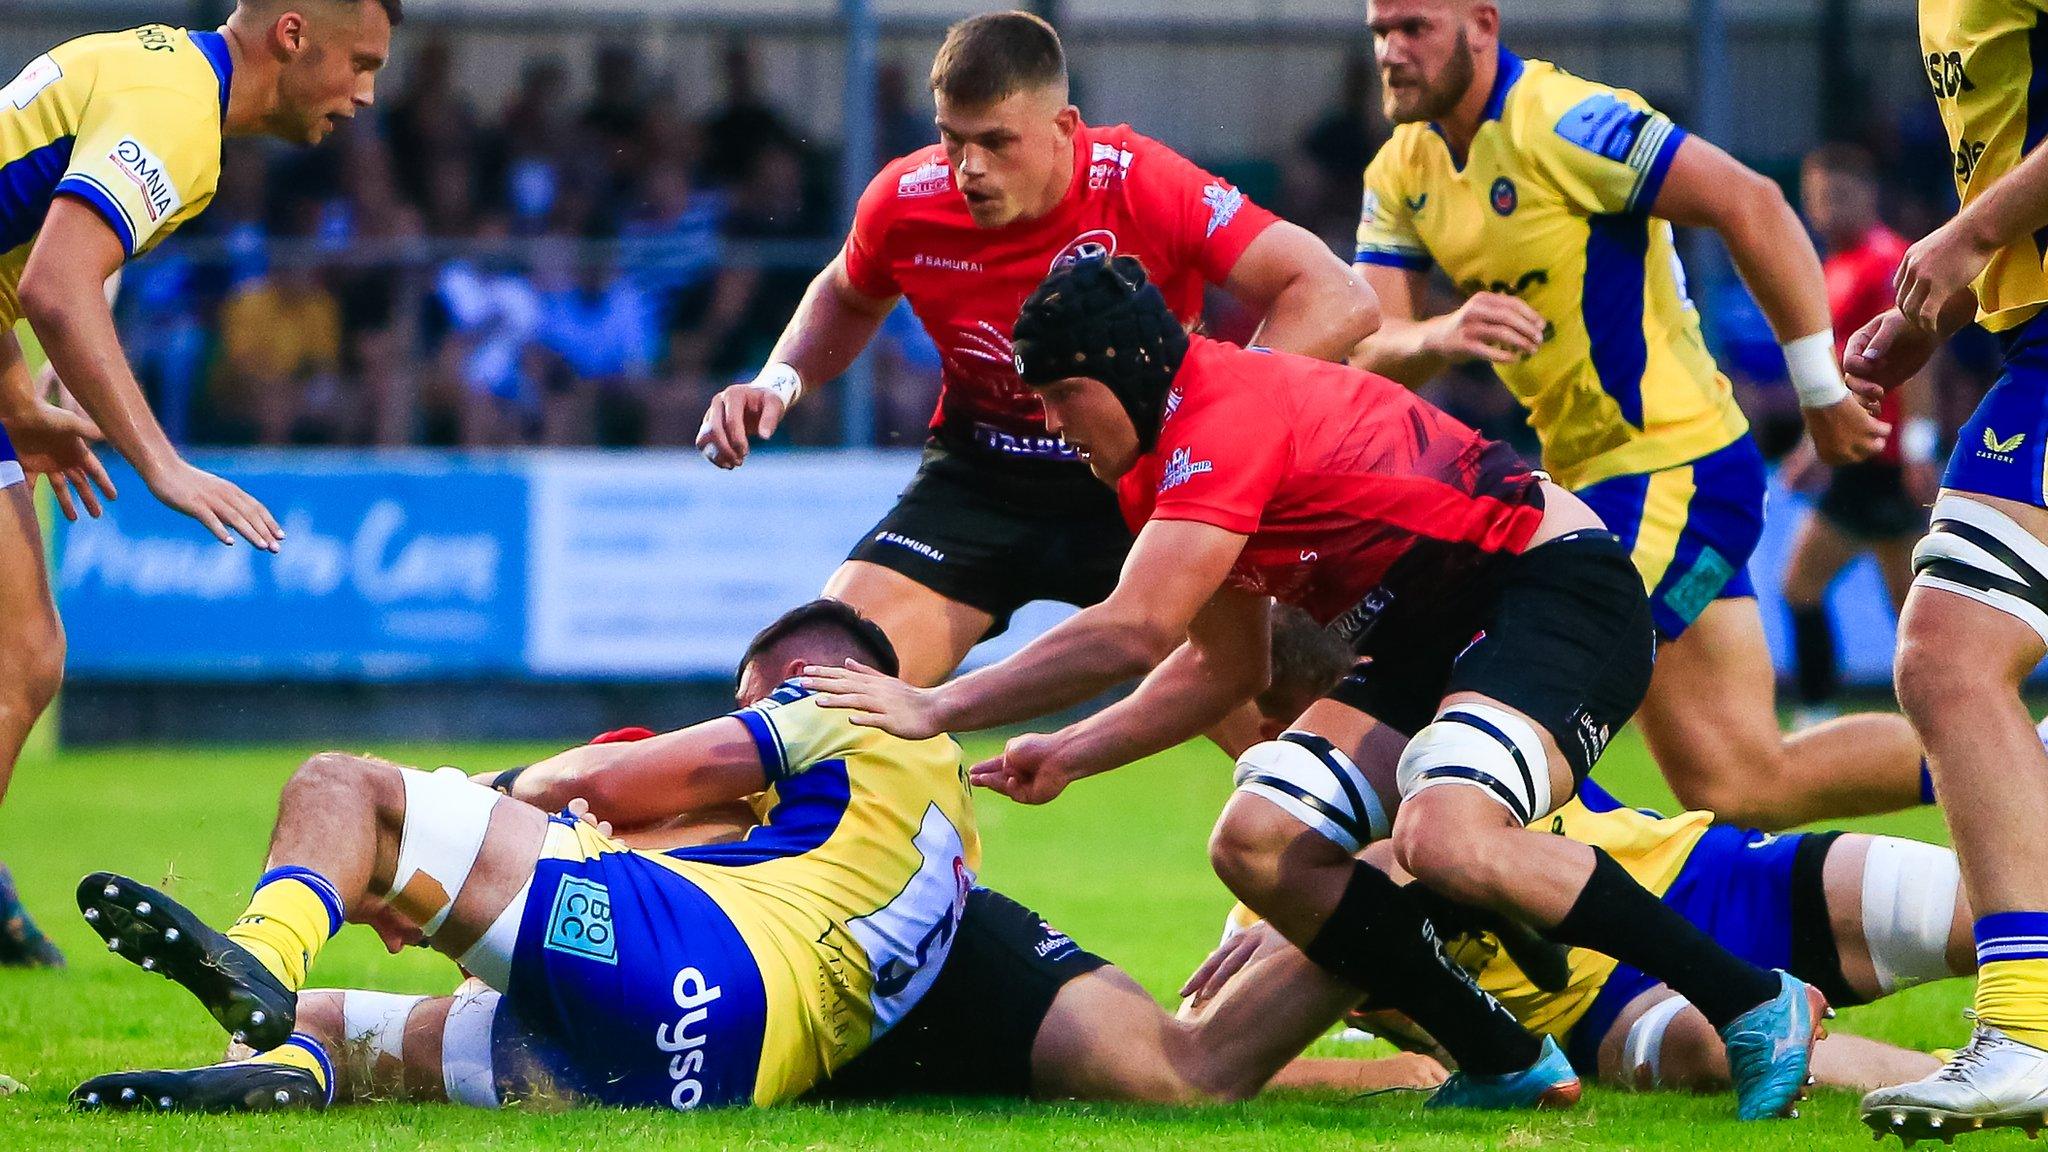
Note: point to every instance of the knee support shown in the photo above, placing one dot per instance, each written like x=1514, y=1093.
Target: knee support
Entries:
x=1484, y=747
x=468, y=1071
x=446, y=817
x=1974, y=550
x=1642, y=1051
x=1909, y=905
x=1310, y=780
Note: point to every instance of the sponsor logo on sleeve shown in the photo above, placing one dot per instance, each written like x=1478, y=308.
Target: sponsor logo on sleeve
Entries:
x=1223, y=202
x=142, y=168
x=927, y=179
x=1182, y=467
x=1106, y=162
x=33, y=81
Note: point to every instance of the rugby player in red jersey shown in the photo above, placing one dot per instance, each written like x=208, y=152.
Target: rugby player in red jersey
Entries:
x=1877, y=505
x=1002, y=513
x=1506, y=636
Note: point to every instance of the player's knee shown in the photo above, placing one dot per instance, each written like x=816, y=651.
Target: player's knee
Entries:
x=328, y=774
x=1447, y=855
x=1245, y=849
x=1751, y=800
x=33, y=670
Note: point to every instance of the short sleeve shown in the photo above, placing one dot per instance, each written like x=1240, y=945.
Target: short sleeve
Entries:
x=1606, y=151
x=866, y=258
x=1213, y=221
x=137, y=163
x=1222, y=467
x=1386, y=224
x=793, y=732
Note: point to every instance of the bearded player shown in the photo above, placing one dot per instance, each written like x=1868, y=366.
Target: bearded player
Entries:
x=1976, y=621
x=108, y=144
x=1505, y=633
x=1549, y=200
x=1001, y=512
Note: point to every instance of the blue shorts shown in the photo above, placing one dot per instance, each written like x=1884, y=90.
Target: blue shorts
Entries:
x=1737, y=887
x=1689, y=530
x=2002, y=449
x=10, y=467
x=630, y=987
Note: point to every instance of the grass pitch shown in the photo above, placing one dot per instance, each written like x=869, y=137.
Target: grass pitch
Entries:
x=1119, y=862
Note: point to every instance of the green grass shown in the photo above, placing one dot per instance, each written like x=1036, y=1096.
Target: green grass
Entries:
x=1118, y=862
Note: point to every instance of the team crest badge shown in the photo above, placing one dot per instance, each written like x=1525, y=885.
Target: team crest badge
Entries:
x=1095, y=244
x=1503, y=195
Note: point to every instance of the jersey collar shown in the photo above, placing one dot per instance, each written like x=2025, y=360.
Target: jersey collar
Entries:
x=1507, y=70
x=214, y=47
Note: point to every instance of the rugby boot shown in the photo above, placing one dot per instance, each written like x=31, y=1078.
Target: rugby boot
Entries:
x=1770, y=1050
x=163, y=936
x=22, y=944
x=1549, y=1083
x=241, y=1087
x=1994, y=1081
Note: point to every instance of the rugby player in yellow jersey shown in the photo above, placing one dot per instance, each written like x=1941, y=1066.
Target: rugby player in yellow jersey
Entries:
x=733, y=973
x=109, y=143
x=1976, y=620
x=1858, y=916
x=1549, y=200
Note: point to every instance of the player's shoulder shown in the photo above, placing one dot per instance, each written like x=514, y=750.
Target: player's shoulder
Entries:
x=1550, y=107
x=152, y=56
x=1120, y=157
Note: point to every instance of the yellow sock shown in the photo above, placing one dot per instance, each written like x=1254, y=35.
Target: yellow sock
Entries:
x=291, y=915
x=2012, y=996
x=302, y=1051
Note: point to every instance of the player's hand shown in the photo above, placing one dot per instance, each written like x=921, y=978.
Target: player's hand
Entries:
x=737, y=413
x=1230, y=958
x=876, y=699
x=579, y=809
x=1491, y=326
x=1030, y=769
x=1845, y=431
x=1888, y=351
x=1937, y=266
x=57, y=443
x=216, y=503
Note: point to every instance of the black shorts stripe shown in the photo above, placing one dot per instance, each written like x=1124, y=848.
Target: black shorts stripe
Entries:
x=1475, y=776
x=1327, y=753
x=1341, y=820
x=2032, y=587
x=1528, y=780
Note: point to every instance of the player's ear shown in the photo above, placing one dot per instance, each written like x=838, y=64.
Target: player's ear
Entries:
x=288, y=33
x=1485, y=26
x=1068, y=121
x=793, y=669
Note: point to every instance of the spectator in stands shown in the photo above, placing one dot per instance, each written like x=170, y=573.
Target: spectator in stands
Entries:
x=278, y=380
x=486, y=372
x=378, y=287
x=1320, y=179
x=678, y=257
x=430, y=118
x=745, y=127
x=597, y=335
x=903, y=116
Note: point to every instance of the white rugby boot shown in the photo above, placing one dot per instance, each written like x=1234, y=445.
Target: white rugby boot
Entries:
x=1994, y=1081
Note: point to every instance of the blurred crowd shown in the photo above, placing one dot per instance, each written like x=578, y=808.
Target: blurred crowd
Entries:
x=589, y=272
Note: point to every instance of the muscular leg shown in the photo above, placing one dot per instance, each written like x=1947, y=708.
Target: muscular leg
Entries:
x=1683, y=1051
x=1894, y=908
x=31, y=670
x=1711, y=723
x=932, y=633
x=431, y=1049
x=1895, y=564
x=1819, y=555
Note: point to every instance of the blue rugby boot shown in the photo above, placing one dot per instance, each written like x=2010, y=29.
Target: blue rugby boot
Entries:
x=1770, y=1049
x=1549, y=1083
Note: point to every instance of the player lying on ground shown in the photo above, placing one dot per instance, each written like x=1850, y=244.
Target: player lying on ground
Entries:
x=1549, y=200
x=1508, y=637
x=1002, y=512
x=1857, y=916
x=729, y=974
x=1976, y=622
x=111, y=142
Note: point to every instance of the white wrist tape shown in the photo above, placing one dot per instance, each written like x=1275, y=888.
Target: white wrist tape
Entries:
x=1810, y=362
x=1920, y=438
x=781, y=380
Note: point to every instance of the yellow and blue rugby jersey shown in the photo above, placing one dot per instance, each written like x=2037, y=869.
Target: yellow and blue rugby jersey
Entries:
x=849, y=889
x=129, y=122
x=1652, y=848
x=1552, y=205
x=1988, y=63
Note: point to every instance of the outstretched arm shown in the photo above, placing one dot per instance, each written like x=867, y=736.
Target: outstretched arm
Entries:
x=828, y=330
x=645, y=782
x=1705, y=187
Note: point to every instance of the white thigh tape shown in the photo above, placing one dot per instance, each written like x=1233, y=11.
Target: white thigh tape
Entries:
x=1909, y=905
x=490, y=958
x=1310, y=780
x=1962, y=555
x=467, y=1069
x=1642, y=1052
x=1484, y=747
x=373, y=1023
x=446, y=817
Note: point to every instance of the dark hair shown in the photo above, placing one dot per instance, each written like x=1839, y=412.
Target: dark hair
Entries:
x=1839, y=159
x=825, y=614
x=990, y=56
x=1101, y=320
x=1307, y=662
x=394, y=9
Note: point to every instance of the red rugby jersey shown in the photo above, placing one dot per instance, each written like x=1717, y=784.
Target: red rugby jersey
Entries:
x=1337, y=476
x=1859, y=288
x=1130, y=196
